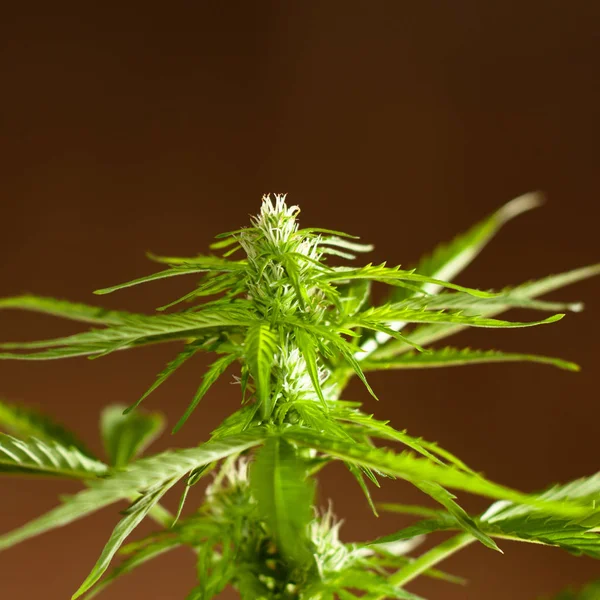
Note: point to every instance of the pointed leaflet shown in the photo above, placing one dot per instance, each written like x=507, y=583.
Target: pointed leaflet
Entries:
x=136, y=331
x=354, y=296
x=25, y=422
x=284, y=496
x=35, y=457
x=449, y=259
x=452, y=357
x=134, y=561
x=505, y=300
x=527, y=524
x=306, y=345
x=368, y=581
x=261, y=348
x=65, y=309
x=413, y=469
x=143, y=474
x=373, y=317
x=202, y=265
x=213, y=373
x=358, y=475
x=341, y=345
x=446, y=499
x=126, y=436
x=396, y=277
x=518, y=522
x=207, y=262
x=427, y=334
x=171, y=367
x=381, y=429
x=383, y=558
x=130, y=521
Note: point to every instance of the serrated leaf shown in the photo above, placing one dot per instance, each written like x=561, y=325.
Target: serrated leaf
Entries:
x=449, y=259
x=181, y=267
x=129, y=522
x=354, y=296
x=428, y=334
x=24, y=422
x=505, y=300
x=386, y=314
x=261, y=348
x=67, y=310
x=527, y=523
x=213, y=373
x=306, y=345
x=411, y=468
x=126, y=436
x=35, y=457
x=372, y=583
x=341, y=345
x=396, y=276
x=206, y=261
x=133, y=332
x=144, y=474
x=446, y=499
x=284, y=495
x=451, y=357
x=358, y=475
x=132, y=562
x=170, y=368
x=381, y=429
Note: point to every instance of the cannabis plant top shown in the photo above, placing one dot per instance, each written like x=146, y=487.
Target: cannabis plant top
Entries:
x=294, y=330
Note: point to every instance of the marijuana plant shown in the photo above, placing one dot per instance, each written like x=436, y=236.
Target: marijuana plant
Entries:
x=296, y=330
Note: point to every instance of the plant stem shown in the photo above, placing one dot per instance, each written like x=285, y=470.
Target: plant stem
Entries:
x=428, y=560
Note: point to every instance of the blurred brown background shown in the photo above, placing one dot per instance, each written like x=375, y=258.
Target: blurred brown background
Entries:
x=126, y=128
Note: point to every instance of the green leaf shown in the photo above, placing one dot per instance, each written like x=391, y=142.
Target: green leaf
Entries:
x=144, y=474
x=446, y=499
x=524, y=523
x=451, y=357
x=373, y=583
x=261, y=347
x=306, y=345
x=545, y=285
x=126, y=436
x=132, y=562
x=413, y=469
x=354, y=296
x=505, y=300
x=396, y=276
x=65, y=309
x=339, y=344
x=132, y=519
x=134, y=332
x=373, y=317
x=171, y=367
x=181, y=267
x=381, y=429
x=206, y=261
x=528, y=523
x=358, y=475
x=444, y=522
x=284, y=496
x=213, y=373
x=35, y=457
x=25, y=422
x=427, y=334
x=449, y=259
